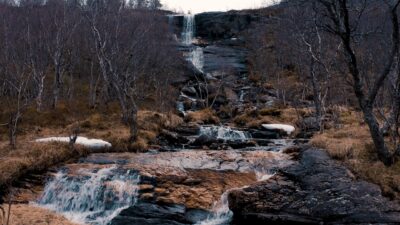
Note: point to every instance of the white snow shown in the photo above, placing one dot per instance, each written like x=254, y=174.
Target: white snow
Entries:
x=90, y=143
x=287, y=128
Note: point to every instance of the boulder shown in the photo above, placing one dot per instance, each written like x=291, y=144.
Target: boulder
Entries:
x=310, y=124
x=205, y=140
x=168, y=138
x=191, y=129
x=316, y=190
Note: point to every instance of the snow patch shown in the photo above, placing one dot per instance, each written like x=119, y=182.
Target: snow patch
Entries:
x=287, y=128
x=90, y=143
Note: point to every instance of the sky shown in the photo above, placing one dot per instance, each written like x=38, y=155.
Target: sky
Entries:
x=197, y=6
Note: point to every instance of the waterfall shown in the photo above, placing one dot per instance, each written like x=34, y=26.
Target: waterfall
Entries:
x=170, y=23
x=188, y=29
x=221, y=214
x=91, y=196
x=224, y=133
x=196, y=54
x=181, y=107
x=241, y=96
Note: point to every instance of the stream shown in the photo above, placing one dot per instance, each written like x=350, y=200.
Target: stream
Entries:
x=185, y=185
x=98, y=188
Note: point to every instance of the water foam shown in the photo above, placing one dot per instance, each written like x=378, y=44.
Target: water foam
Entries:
x=91, y=196
x=224, y=133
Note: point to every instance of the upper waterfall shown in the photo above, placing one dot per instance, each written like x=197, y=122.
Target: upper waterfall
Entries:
x=188, y=29
x=196, y=54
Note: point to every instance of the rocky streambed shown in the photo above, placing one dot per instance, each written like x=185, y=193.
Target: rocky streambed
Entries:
x=178, y=187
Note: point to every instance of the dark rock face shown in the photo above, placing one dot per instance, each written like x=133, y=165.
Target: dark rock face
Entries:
x=167, y=214
x=313, y=191
x=221, y=25
x=219, y=57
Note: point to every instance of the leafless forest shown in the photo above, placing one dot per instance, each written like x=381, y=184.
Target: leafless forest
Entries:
x=97, y=52
x=336, y=53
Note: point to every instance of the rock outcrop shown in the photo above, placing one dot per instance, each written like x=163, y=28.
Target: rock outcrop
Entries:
x=315, y=190
x=222, y=25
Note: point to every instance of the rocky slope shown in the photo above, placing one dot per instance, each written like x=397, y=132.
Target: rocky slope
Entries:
x=314, y=190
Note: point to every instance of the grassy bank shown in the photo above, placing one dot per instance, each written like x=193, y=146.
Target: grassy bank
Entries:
x=104, y=123
x=351, y=143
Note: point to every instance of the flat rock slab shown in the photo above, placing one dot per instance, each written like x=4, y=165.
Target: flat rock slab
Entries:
x=315, y=190
x=193, y=178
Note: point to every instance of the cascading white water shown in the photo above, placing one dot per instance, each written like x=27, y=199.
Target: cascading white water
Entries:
x=221, y=214
x=188, y=29
x=196, y=54
x=224, y=133
x=91, y=196
x=181, y=107
x=241, y=96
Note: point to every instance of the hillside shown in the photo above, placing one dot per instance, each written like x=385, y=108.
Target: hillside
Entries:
x=116, y=113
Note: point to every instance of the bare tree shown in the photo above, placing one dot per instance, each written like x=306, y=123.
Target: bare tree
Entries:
x=15, y=74
x=63, y=21
x=126, y=49
x=343, y=19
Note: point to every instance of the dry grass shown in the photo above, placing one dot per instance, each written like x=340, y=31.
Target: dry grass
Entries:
x=110, y=128
x=205, y=116
x=352, y=144
x=33, y=158
x=23, y=214
x=30, y=157
x=255, y=118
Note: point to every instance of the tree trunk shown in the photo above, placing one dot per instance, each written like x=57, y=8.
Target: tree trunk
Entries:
x=377, y=136
x=39, y=98
x=56, y=86
x=12, y=130
x=132, y=121
x=317, y=94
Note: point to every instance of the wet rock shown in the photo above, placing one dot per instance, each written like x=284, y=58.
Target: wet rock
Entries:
x=218, y=57
x=147, y=196
x=265, y=134
x=190, y=91
x=188, y=130
x=240, y=144
x=144, y=213
x=168, y=138
x=313, y=191
x=194, y=178
x=205, y=140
